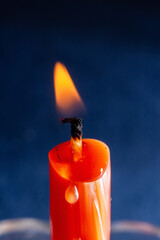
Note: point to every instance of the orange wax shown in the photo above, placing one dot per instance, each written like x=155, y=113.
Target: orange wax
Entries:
x=80, y=192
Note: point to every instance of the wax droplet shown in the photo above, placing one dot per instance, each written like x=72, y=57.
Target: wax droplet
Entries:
x=71, y=194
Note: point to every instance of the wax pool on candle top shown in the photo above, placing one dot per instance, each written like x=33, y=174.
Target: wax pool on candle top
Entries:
x=86, y=215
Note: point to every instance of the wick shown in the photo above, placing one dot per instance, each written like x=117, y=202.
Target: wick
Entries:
x=76, y=126
x=76, y=136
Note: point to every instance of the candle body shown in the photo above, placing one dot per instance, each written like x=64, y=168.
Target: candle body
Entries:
x=88, y=217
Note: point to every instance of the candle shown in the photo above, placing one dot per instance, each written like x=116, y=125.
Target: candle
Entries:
x=80, y=176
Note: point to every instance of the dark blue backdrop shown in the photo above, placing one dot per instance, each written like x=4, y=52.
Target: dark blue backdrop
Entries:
x=112, y=52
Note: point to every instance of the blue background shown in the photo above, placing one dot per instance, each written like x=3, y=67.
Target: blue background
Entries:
x=112, y=52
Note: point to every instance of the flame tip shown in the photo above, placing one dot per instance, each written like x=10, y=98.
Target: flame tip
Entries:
x=58, y=64
x=67, y=97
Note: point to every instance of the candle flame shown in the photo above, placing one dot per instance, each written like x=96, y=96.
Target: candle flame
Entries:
x=68, y=100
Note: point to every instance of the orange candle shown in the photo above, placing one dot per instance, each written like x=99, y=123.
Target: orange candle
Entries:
x=80, y=182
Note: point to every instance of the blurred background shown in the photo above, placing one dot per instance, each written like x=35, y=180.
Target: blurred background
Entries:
x=112, y=51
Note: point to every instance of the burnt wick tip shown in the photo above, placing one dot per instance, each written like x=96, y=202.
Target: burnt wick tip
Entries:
x=76, y=126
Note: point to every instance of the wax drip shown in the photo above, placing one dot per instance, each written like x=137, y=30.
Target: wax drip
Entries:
x=71, y=194
x=76, y=126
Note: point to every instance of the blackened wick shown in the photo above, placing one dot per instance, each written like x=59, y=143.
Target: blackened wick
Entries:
x=76, y=126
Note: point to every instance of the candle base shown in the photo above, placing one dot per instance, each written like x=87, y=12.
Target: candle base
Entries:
x=34, y=229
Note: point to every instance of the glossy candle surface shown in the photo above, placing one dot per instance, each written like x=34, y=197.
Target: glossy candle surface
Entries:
x=85, y=216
